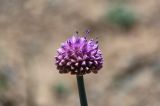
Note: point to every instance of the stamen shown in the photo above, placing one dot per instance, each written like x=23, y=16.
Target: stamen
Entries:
x=87, y=33
x=77, y=32
x=96, y=40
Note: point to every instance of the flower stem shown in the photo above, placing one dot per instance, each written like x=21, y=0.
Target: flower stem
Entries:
x=82, y=93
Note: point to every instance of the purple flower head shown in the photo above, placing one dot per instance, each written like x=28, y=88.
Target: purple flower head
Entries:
x=79, y=56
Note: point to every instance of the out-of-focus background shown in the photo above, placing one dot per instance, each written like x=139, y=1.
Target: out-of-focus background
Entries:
x=129, y=36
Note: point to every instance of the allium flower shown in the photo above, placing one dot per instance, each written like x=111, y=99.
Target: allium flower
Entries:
x=79, y=56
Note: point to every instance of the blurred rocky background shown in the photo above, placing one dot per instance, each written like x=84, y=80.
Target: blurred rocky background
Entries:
x=129, y=36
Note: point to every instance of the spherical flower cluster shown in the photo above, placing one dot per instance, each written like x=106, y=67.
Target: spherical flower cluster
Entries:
x=79, y=56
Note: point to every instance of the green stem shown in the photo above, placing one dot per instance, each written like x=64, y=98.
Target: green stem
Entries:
x=82, y=93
